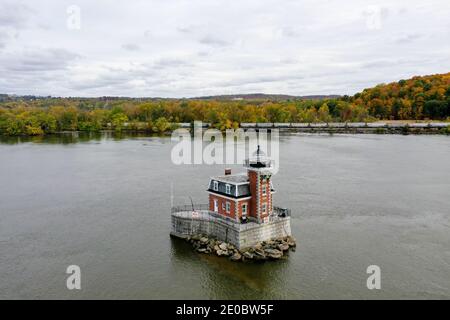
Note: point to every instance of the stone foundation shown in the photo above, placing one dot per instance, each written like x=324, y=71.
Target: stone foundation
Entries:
x=241, y=235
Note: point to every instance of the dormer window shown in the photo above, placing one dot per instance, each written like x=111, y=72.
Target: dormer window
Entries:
x=227, y=189
x=215, y=186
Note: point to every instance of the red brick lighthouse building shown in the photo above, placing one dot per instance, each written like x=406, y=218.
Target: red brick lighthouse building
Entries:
x=245, y=196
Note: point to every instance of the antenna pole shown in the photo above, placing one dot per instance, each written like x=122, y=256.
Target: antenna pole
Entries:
x=192, y=203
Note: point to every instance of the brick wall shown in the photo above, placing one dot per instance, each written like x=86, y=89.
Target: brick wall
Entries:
x=222, y=205
x=259, y=197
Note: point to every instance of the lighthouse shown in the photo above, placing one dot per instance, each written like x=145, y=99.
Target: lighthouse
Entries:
x=259, y=172
x=240, y=209
x=244, y=196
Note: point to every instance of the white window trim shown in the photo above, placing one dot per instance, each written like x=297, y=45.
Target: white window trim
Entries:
x=215, y=185
x=228, y=207
x=264, y=189
x=264, y=208
x=244, y=212
x=228, y=189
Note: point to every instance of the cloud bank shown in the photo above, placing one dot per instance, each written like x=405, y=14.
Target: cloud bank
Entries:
x=185, y=48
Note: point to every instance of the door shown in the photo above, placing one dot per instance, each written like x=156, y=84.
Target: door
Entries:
x=216, y=205
x=244, y=210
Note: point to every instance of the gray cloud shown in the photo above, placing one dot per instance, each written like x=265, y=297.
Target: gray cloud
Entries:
x=37, y=60
x=179, y=48
x=407, y=38
x=14, y=14
x=214, y=41
x=4, y=37
x=170, y=62
x=131, y=47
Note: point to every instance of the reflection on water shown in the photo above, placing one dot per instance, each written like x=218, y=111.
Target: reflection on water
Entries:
x=253, y=276
x=104, y=204
x=74, y=137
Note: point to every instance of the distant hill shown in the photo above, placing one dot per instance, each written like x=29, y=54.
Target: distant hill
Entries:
x=416, y=98
x=248, y=96
x=264, y=96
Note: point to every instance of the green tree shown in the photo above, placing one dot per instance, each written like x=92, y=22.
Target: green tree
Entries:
x=435, y=109
x=118, y=121
x=324, y=113
x=161, y=125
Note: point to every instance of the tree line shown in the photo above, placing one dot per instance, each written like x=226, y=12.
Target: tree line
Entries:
x=418, y=98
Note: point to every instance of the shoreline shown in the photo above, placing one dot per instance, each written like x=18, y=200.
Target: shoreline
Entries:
x=394, y=127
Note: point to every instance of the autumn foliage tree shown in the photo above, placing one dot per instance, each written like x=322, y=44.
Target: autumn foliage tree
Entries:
x=417, y=98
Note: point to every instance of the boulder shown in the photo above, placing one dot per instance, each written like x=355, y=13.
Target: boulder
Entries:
x=248, y=255
x=221, y=252
x=259, y=256
x=258, y=246
x=204, y=240
x=236, y=256
x=195, y=237
x=223, y=246
x=259, y=252
x=290, y=241
x=283, y=247
x=201, y=250
x=273, y=253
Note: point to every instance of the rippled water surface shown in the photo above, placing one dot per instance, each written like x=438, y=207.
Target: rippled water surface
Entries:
x=103, y=203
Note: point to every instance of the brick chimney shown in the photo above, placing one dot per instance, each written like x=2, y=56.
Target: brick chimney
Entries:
x=227, y=171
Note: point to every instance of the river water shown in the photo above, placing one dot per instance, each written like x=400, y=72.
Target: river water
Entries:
x=103, y=203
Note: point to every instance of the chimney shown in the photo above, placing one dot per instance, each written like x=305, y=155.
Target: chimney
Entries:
x=227, y=171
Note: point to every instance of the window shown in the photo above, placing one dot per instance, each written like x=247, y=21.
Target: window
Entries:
x=215, y=185
x=264, y=189
x=228, y=207
x=264, y=208
x=244, y=209
x=227, y=189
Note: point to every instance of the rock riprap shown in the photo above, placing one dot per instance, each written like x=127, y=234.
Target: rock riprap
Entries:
x=267, y=250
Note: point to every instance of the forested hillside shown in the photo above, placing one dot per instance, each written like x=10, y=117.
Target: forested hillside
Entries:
x=425, y=97
x=419, y=98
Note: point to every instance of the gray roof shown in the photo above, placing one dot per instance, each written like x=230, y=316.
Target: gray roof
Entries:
x=233, y=178
x=239, y=181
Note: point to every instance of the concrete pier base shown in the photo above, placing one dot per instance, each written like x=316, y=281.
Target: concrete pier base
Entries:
x=241, y=235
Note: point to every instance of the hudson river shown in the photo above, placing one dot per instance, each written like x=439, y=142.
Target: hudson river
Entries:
x=103, y=203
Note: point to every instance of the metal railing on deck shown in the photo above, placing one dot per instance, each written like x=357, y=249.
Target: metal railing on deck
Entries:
x=253, y=162
x=282, y=212
x=189, y=207
x=277, y=211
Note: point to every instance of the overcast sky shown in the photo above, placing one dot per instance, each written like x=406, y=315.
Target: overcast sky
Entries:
x=186, y=48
